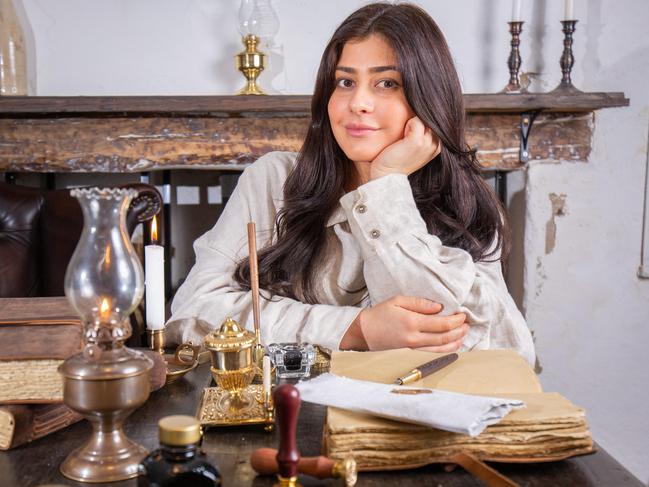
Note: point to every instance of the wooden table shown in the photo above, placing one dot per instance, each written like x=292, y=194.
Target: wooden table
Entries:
x=38, y=463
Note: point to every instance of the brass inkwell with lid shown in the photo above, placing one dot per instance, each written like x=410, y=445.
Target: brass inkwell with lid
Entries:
x=235, y=400
x=237, y=356
x=232, y=365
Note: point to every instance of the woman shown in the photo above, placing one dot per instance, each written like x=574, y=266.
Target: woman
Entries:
x=380, y=233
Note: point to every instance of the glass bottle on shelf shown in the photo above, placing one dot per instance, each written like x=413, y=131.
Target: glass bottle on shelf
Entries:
x=179, y=461
x=17, y=64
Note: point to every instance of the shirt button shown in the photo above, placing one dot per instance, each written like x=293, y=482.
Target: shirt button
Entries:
x=361, y=208
x=375, y=234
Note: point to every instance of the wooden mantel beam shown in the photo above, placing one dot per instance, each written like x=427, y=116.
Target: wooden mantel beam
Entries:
x=132, y=134
x=289, y=104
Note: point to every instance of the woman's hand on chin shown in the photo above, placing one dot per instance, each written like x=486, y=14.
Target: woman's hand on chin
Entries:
x=418, y=146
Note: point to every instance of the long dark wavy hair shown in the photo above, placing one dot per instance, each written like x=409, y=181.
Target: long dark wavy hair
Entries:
x=455, y=202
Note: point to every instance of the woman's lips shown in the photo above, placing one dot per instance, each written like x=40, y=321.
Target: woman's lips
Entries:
x=359, y=130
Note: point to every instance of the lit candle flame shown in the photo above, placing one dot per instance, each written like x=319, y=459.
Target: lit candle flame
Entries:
x=107, y=256
x=154, y=230
x=104, y=309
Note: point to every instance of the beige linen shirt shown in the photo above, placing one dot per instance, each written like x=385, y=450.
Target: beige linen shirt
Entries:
x=375, y=238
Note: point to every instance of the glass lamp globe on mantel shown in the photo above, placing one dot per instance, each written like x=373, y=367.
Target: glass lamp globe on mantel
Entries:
x=257, y=20
x=104, y=283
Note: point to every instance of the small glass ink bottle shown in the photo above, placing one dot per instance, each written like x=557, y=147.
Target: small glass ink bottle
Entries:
x=292, y=360
x=179, y=461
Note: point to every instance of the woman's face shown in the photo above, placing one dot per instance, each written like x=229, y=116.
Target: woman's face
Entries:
x=368, y=108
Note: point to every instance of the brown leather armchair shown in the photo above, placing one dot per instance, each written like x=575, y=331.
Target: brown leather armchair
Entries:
x=39, y=230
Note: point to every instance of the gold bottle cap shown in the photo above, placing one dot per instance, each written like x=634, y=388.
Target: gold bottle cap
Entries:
x=230, y=337
x=179, y=430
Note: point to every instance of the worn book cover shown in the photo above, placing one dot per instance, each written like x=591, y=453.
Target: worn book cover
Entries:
x=39, y=328
x=21, y=423
x=549, y=428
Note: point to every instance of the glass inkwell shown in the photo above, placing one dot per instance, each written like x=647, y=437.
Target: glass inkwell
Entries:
x=292, y=360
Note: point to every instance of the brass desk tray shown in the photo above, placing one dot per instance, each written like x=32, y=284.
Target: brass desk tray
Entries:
x=219, y=408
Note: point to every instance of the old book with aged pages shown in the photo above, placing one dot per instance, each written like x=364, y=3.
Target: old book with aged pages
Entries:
x=36, y=336
x=549, y=428
x=39, y=328
x=22, y=423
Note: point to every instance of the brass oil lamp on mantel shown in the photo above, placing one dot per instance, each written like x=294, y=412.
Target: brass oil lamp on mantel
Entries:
x=257, y=21
x=107, y=381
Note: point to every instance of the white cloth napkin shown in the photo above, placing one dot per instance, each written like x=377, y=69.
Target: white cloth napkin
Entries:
x=450, y=411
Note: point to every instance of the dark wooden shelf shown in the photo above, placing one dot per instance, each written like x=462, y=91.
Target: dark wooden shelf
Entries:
x=145, y=133
x=547, y=102
x=292, y=105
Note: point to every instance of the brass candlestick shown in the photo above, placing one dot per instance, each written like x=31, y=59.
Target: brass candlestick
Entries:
x=567, y=59
x=251, y=63
x=157, y=340
x=514, y=60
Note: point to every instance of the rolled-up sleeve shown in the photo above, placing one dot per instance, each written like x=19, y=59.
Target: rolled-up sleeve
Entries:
x=401, y=257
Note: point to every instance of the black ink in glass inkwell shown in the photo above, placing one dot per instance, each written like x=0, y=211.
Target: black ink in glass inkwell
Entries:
x=179, y=461
x=292, y=360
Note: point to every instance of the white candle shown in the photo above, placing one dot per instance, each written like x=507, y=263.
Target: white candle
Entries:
x=266, y=375
x=155, y=282
x=569, y=10
x=516, y=10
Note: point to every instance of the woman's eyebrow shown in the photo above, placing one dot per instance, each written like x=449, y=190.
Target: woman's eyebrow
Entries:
x=375, y=69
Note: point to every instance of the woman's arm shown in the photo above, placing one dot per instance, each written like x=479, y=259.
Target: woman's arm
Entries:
x=402, y=258
x=210, y=293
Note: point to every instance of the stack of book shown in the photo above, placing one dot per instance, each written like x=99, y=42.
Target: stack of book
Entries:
x=549, y=428
x=36, y=336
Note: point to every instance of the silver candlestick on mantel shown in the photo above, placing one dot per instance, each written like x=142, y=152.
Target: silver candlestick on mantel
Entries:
x=514, y=60
x=567, y=60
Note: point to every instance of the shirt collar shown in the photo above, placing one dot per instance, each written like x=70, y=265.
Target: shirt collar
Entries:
x=338, y=216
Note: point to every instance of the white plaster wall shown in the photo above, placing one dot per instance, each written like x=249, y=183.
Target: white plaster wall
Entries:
x=588, y=310
x=132, y=47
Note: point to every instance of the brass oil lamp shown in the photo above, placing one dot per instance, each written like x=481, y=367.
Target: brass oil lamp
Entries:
x=257, y=20
x=251, y=63
x=107, y=381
